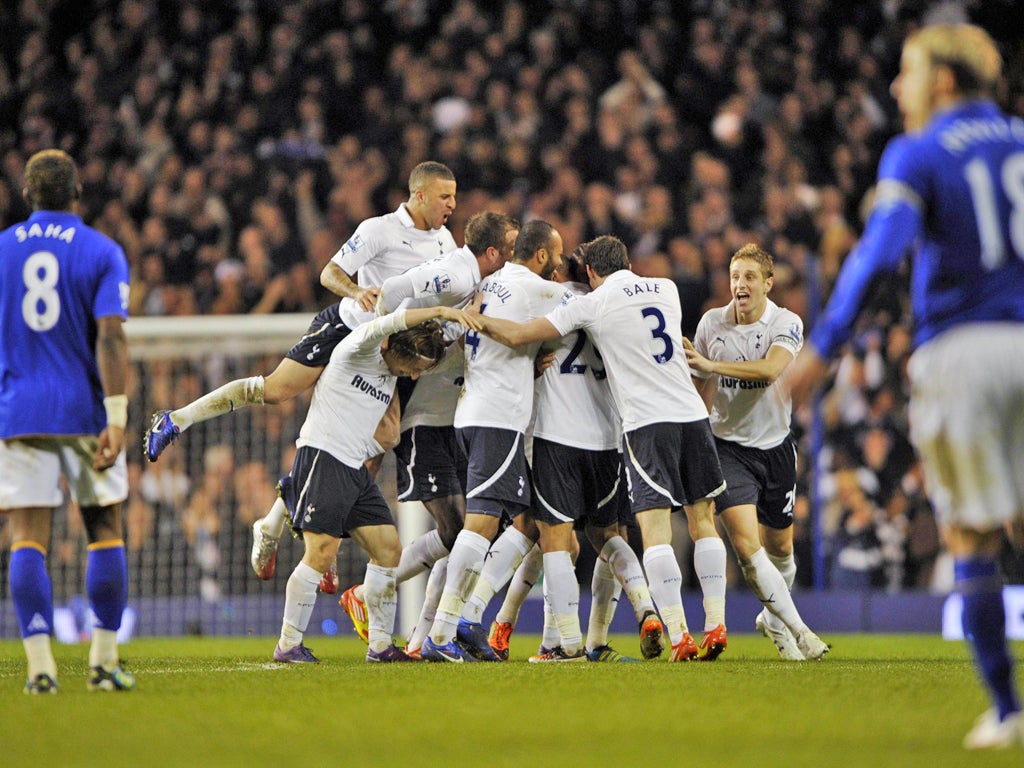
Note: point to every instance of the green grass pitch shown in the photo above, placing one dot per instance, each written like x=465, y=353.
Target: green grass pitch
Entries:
x=875, y=701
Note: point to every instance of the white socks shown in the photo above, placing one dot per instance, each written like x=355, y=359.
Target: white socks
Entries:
x=709, y=563
x=299, y=599
x=235, y=394
x=419, y=555
x=525, y=577
x=40, y=656
x=435, y=585
x=381, y=596
x=504, y=556
x=666, y=583
x=563, y=595
x=464, y=564
x=273, y=522
x=626, y=567
x=103, y=650
x=605, y=590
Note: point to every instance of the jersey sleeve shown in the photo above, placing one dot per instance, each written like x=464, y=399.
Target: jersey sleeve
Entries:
x=700, y=343
x=895, y=221
x=788, y=332
x=112, y=284
x=572, y=313
x=363, y=246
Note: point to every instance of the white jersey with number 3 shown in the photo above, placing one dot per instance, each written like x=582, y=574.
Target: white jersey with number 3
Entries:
x=752, y=413
x=635, y=322
x=499, y=380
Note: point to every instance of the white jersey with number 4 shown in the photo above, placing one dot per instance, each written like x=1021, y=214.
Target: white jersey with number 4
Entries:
x=635, y=322
x=752, y=413
x=573, y=401
x=498, y=391
x=384, y=246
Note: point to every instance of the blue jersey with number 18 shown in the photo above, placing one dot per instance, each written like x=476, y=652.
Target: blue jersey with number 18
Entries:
x=57, y=276
x=957, y=189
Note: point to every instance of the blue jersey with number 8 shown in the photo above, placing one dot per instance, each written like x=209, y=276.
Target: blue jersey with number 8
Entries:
x=57, y=276
x=955, y=192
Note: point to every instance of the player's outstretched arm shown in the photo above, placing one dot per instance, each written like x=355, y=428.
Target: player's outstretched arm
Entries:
x=508, y=332
x=768, y=368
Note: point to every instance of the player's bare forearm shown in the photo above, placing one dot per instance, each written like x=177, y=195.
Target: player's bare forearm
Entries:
x=112, y=354
x=340, y=283
x=112, y=361
x=768, y=368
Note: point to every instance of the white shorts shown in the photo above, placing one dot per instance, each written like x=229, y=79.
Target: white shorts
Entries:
x=31, y=468
x=967, y=423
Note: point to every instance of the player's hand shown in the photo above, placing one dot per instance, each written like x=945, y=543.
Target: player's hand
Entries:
x=545, y=359
x=696, y=360
x=474, y=306
x=110, y=443
x=366, y=298
x=462, y=318
x=802, y=377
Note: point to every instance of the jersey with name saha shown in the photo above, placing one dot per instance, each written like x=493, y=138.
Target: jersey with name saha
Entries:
x=957, y=188
x=573, y=401
x=352, y=394
x=57, y=276
x=384, y=246
x=635, y=322
x=751, y=413
x=498, y=390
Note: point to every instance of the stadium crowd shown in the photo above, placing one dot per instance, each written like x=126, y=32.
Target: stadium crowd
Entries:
x=232, y=148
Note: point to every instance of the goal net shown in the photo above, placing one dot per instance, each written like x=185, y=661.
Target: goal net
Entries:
x=188, y=517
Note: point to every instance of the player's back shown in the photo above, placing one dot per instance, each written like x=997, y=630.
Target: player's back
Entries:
x=498, y=390
x=635, y=323
x=573, y=404
x=967, y=167
x=58, y=275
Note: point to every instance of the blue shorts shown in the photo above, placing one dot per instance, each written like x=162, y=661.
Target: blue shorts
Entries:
x=765, y=478
x=429, y=464
x=497, y=476
x=576, y=485
x=672, y=465
x=333, y=498
x=325, y=333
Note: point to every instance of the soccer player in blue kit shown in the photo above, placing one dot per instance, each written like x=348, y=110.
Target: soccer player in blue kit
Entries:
x=63, y=410
x=952, y=187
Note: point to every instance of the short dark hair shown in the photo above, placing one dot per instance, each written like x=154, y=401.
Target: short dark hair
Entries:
x=606, y=254
x=51, y=180
x=573, y=264
x=533, y=236
x=425, y=340
x=426, y=172
x=488, y=230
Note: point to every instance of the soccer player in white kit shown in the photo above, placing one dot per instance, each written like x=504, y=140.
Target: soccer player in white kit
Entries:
x=430, y=465
x=491, y=421
x=578, y=480
x=380, y=247
x=951, y=192
x=738, y=353
x=335, y=496
x=668, y=444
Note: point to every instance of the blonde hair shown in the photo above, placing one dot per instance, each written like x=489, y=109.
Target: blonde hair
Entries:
x=969, y=52
x=757, y=254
